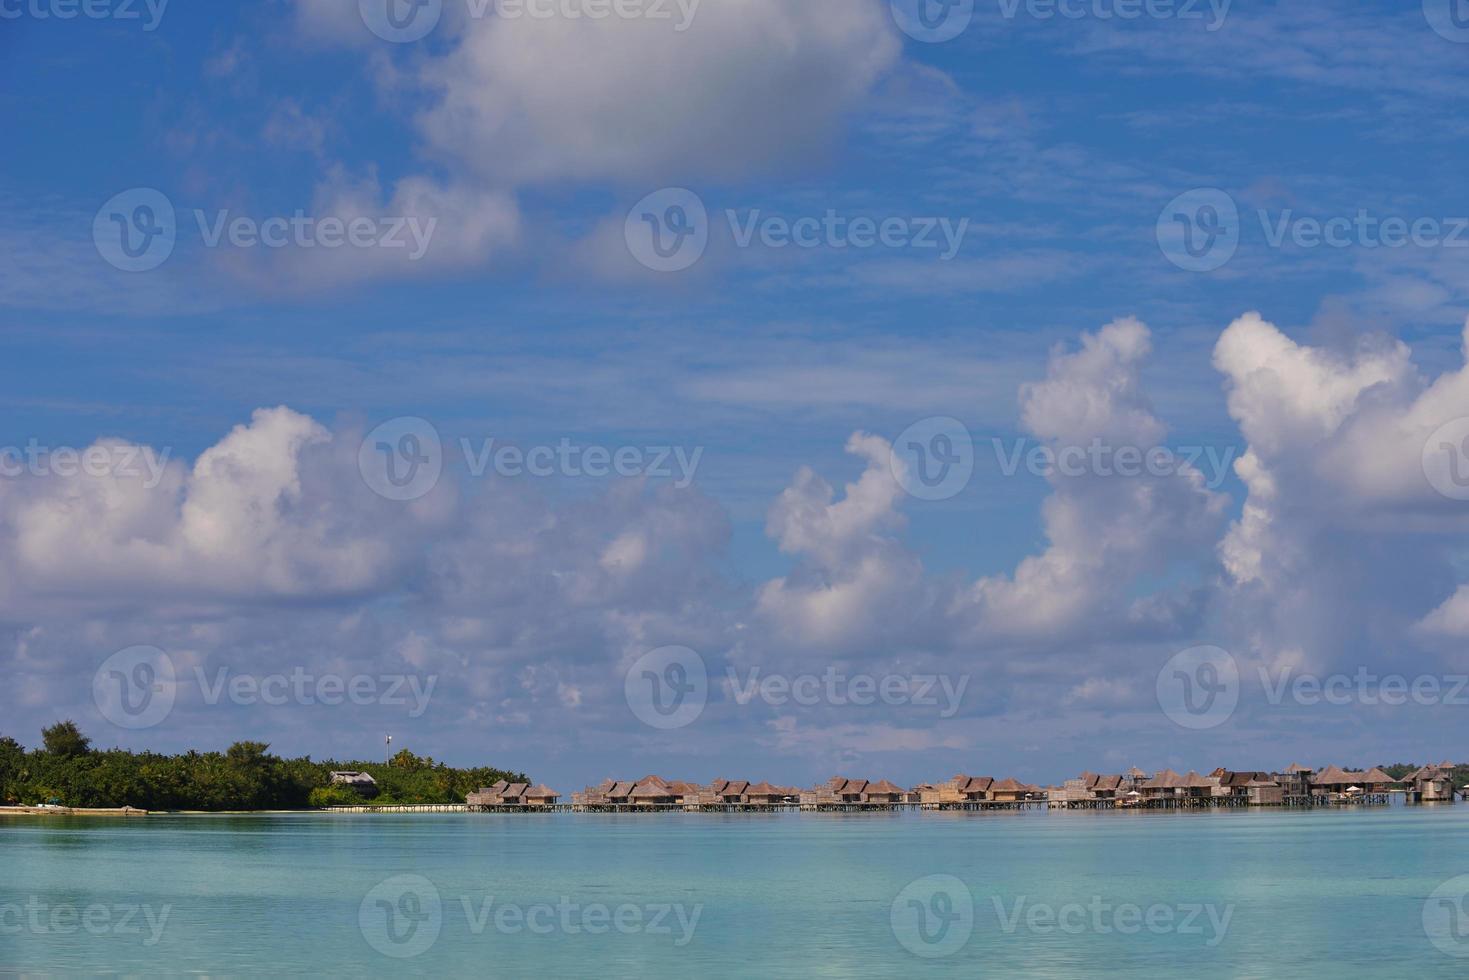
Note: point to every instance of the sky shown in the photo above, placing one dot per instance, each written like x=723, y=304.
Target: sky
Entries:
x=738, y=388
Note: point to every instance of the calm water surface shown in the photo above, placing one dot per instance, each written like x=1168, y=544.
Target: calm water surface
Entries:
x=1248, y=894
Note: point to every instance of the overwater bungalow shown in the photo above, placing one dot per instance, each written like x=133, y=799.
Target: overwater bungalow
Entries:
x=727, y=792
x=1295, y=781
x=1431, y=784
x=764, y=794
x=1234, y=786
x=652, y=791
x=1169, y=789
x=883, y=791
x=541, y=795
x=1338, y=785
x=960, y=792
x=1265, y=792
x=503, y=796
x=1011, y=792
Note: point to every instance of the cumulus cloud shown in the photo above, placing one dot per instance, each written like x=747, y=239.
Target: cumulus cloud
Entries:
x=855, y=585
x=259, y=514
x=1105, y=529
x=1343, y=536
x=747, y=84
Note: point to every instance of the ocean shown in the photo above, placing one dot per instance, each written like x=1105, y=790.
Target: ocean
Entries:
x=1249, y=893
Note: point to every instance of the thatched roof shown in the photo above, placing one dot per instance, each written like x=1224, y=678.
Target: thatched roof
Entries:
x=1165, y=779
x=1336, y=776
x=884, y=787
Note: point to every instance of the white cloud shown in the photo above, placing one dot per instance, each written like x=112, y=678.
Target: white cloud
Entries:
x=748, y=84
x=1343, y=543
x=1105, y=530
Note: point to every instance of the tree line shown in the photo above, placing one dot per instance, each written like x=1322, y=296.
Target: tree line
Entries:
x=66, y=769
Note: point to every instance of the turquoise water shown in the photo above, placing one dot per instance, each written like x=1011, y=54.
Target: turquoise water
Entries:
x=1241, y=894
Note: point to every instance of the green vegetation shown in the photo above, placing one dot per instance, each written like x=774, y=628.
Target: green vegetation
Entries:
x=244, y=777
x=1400, y=769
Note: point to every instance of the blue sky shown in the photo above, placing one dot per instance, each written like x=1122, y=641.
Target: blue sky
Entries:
x=526, y=150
